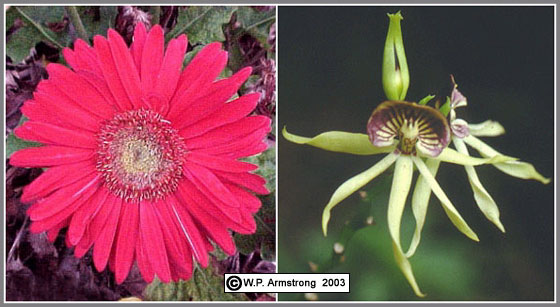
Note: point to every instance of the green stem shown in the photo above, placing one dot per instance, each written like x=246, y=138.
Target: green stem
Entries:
x=156, y=12
x=263, y=224
x=39, y=28
x=77, y=22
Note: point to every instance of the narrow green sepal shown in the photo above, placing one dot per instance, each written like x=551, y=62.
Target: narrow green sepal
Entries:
x=426, y=99
x=338, y=141
x=353, y=184
x=446, y=107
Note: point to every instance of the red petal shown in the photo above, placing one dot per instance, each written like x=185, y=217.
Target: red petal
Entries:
x=101, y=88
x=125, y=67
x=199, y=206
x=126, y=240
x=180, y=257
x=46, y=156
x=204, y=68
x=71, y=114
x=231, y=133
x=249, y=222
x=104, y=241
x=245, y=131
x=152, y=57
x=64, y=210
x=38, y=112
x=220, y=92
x=55, y=178
x=70, y=58
x=243, y=146
x=66, y=84
x=54, y=135
x=142, y=261
x=170, y=69
x=246, y=199
x=83, y=216
x=190, y=232
x=52, y=233
x=209, y=184
x=188, y=91
x=229, y=113
x=247, y=151
x=216, y=230
x=218, y=163
x=97, y=223
x=63, y=198
x=110, y=73
x=252, y=182
x=152, y=240
x=86, y=58
x=137, y=46
x=192, y=195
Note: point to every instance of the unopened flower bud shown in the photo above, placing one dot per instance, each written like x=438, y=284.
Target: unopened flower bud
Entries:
x=395, y=69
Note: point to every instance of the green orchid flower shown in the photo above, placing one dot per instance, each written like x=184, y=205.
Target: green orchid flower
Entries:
x=406, y=132
x=416, y=135
x=464, y=134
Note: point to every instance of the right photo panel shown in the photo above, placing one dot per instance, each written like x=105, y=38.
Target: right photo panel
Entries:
x=416, y=151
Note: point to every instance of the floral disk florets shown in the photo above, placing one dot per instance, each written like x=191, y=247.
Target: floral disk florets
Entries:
x=140, y=155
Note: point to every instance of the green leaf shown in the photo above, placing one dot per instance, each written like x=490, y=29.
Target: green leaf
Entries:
x=13, y=144
x=205, y=285
x=94, y=26
x=202, y=24
x=346, y=142
x=256, y=23
x=353, y=184
x=34, y=30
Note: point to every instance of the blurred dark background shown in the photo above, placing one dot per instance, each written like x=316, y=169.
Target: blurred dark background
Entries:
x=330, y=79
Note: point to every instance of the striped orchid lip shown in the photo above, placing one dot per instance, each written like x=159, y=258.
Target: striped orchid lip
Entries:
x=415, y=126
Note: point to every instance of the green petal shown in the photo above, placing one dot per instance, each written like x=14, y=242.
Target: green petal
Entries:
x=353, y=184
x=452, y=156
x=487, y=128
x=353, y=143
x=517, y=169
x=406, y=269
x=482, y=197
x=420, y=201
x=450, y=210
x=402, y=179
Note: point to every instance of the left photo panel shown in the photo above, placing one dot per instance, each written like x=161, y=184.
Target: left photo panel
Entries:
x=140, y=151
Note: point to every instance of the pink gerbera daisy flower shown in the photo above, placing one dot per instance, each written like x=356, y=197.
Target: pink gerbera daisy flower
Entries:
x=143, y=156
